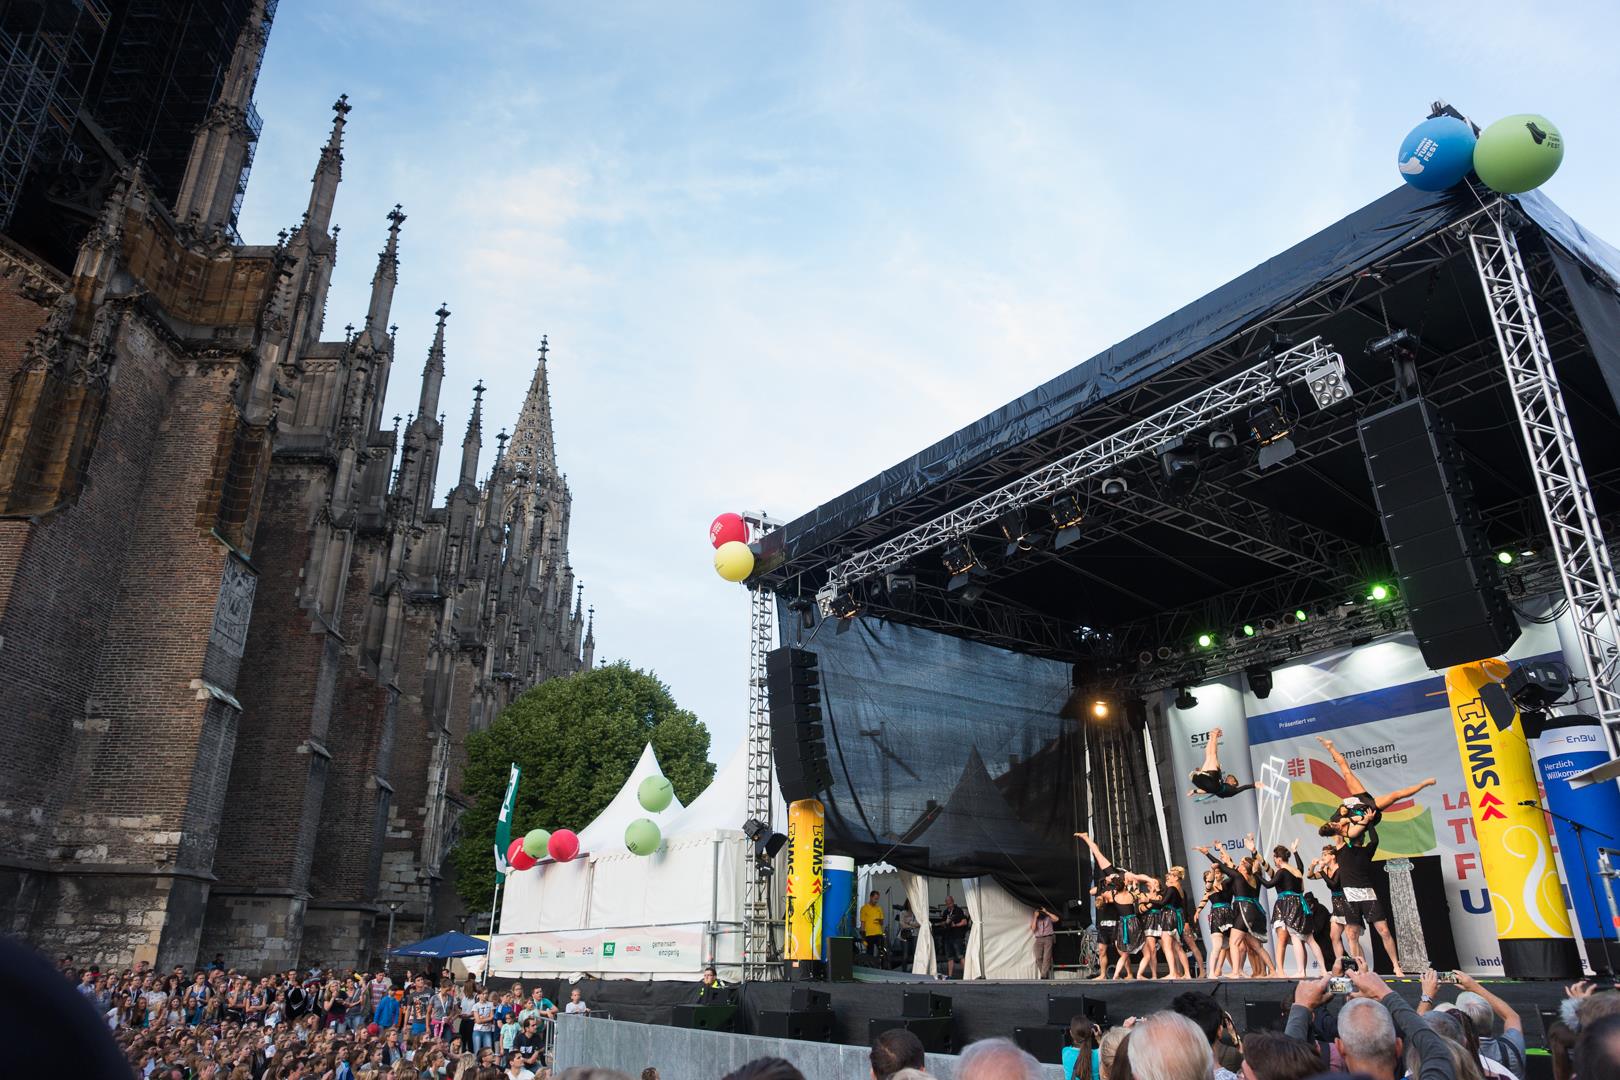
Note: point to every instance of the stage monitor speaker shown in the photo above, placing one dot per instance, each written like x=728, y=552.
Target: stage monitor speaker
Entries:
x=924, y=1003
x=815, y=1026
x=840, y=959
x=806, y=971
x=1046, y=1042
x=1448, y=576
x=1060, y=1009
x=804, y=999
x=934, y=1032
x=706, y=1017
x=1264, y=1016
x=717, y=995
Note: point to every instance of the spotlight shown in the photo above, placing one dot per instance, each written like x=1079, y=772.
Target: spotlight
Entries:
x=1185, y=699
x=1248, y=630
x=1537, y=684
x=1179, y=466
x=902, y=590
x=1505, y=558
x=1270, y=429
x=1259, y=680
x=1145, y=657
x=1328, y=383
x=1067, y=515
x=838, y=603
x=1379, y=592
x=958, y=559
x=1206, y=640
x=1268, y=625
x=1114, y=486
x=1222, y=439
x=766, y=845
x=1099, y=710
x=1300, y=615
x=970, y=593
x=1164, y=652
x=1018, y=536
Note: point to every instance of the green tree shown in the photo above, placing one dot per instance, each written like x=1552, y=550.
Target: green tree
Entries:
x=576, y=739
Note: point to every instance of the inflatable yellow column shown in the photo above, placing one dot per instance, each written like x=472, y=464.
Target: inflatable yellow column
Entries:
x=1514, y=849
x=807, y=843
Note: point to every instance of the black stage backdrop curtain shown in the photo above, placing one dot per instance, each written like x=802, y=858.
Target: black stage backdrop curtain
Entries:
x=950, y=758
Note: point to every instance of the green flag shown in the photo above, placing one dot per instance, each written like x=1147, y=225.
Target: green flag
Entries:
x=503, y=823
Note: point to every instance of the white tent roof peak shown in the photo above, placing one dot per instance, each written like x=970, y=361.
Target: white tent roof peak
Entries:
x=606, y=833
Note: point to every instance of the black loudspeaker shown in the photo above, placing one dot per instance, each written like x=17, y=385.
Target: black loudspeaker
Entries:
x=815, y=1026
x=804, y=999
x=840, y=959
x=706, y=1017
x=924, y=1003
x=1449, y=579
x=1060, y=1010
x=1264, y=1016
x=934, y=1032
x=1434, y=911
x=807, y=971
x=1046, y=1043
x=793, y=689
x=717, y=995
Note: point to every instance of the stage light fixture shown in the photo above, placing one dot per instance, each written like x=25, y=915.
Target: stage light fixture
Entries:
x=971, y=592
x=901, y=589
x=1099, y=710
x=1015, y=530
x=1067, y=514
x=1505, y=558
x=1248, y=630
x=1164, y=652
x=1206, y=641
x=1114, y=486
x=1259, y=677
x=1145, y=657
x=1379, y=592
x=958, y=557
x=1268, y=625
x=1537, y=684
x=1185, y=699
x=1222, y=439
x=1328, y=383
x=1180, y=467
x=1270, y=429
x=766, y=845
x=836, y=603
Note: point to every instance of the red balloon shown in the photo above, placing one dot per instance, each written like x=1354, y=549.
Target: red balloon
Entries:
x=563, y=845
x=727, y=527
x=516, y=857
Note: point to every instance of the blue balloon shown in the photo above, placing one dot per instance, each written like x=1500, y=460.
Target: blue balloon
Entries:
x=1437, y=153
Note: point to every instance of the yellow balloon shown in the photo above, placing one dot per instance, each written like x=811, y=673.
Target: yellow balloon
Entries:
x=733, y=560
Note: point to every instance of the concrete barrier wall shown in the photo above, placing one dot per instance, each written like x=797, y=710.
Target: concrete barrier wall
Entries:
x=688, y=1054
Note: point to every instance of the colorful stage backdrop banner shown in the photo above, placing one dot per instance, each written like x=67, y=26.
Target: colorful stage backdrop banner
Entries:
x=626, y=951
x=1567, y=747
x=1391, y=718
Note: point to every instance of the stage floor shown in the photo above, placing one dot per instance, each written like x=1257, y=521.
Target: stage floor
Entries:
x=982, y=1008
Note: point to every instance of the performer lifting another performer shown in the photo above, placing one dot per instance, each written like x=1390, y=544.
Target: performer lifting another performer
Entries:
x=1293, y=914
x=1248, y=930
x=1207, y=777
x=1354, y=825
x=1119, y=923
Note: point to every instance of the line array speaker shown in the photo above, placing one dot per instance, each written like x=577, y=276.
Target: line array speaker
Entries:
x=793, y=690
x=1448, y=577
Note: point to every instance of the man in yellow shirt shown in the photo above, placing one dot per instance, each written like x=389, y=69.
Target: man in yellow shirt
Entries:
x=872, y=925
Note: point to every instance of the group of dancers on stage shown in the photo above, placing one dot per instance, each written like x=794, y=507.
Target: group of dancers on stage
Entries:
x=1140, y=916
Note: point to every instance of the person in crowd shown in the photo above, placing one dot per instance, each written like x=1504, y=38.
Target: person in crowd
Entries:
x=576, y=1003
x=385, y=1013
x=1043, y=929
x=1248, y=919
x=710, y=979
x=1291, y=913
x=541, y=1007
x=531, y=1045
x=509, y=1032
x=649, y=1073
x=1112, y=1055
x=767, y=1068
x=954, y=926
x=997, y=1059
x=1211, y=1020
x=1169, y=1046
x=466, y=1002
x=871, y=919
x=1483, y=1008
x=894, y=1050
x=1597, y=1051
x=1375, y=1027
x=484, y=1028
x=1082, y=1057
x=1208, y=780
x=1453, y=1025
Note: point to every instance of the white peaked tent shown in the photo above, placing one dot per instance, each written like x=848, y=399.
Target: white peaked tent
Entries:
x=615, y=914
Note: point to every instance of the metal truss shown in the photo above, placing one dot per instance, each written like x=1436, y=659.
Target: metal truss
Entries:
x=759, y=960
x=1249, y=387
x=1573, y=527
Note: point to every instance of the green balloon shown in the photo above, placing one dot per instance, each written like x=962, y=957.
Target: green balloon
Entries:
x=654, y=793
x=642, y=837
x=1518, y=153
x=534, y=843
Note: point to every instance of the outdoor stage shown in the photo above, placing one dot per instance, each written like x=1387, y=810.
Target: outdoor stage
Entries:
x=984, y=1008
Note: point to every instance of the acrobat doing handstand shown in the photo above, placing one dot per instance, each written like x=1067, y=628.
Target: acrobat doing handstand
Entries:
x=1208, y=780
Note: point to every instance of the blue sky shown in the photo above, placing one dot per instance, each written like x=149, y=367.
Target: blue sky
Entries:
x=779, y=247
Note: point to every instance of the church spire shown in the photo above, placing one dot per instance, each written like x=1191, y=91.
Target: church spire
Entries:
x=433, y=371
x=534, y=450
x=590, y=639
x=219, y=149
x=383, y=282
x=328, y=172
x=473, y=443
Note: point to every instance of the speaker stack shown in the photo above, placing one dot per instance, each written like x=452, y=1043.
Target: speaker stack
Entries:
x=924, y=1014
x=1449, y=578
x=714, y=1010
x=809, y=1016
x=1047, y=1041
x=793, y=686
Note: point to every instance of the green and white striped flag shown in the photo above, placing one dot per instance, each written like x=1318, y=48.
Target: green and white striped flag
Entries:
x=503, y=823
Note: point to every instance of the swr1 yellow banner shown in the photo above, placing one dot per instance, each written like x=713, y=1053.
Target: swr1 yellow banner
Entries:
x=807, y=840
x=1514, y=849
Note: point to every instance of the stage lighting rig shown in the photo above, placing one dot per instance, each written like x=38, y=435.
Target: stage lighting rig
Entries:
x=1185, y=699
x=766, y=845
x=1400, y=346
x=1067, y=515
x=1259, y=678
x=901, y=589
x=1099, y=709
x=1328, y=384
x=1114, y=486
x=836, y=603
x=960, y=562
x=1222, y=438
x=1180, y=467
x=1270, y=429
x=1019, y=537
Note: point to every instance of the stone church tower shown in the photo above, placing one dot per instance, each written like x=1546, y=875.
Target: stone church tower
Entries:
x=241, y=643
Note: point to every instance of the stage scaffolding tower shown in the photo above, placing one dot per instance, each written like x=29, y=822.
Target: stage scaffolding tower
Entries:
x=1555, y=462
x=759, y=953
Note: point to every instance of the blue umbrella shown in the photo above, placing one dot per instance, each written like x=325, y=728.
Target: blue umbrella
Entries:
x=444, y=946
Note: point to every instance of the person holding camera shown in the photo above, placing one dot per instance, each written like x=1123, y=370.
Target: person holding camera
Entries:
x=1377, y=1028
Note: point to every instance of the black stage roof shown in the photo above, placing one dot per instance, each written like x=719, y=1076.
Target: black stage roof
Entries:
x=1151, y=568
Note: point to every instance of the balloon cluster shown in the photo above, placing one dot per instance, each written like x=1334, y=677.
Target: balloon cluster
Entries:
x=536, y=844
x=1513, y=155
x=733, y=558
x=642, y=836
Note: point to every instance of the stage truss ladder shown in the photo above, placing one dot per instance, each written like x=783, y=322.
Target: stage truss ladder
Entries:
x=758, y=959
x=1566, y=497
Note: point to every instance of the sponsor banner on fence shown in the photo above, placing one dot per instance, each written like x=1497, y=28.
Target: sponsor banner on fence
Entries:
x=626, y=950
